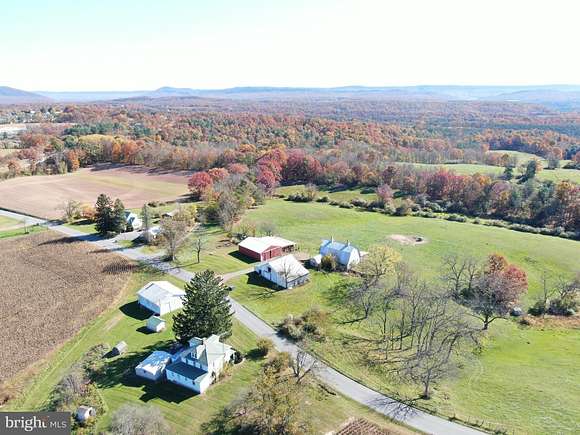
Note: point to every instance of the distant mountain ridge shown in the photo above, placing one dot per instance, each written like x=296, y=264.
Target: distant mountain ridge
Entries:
x=559, y=96
x=10, y=95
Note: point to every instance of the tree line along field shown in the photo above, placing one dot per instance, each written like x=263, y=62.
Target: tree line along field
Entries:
x=51, y=287
x=186, y=413
x=43, y=195
x=534, y=367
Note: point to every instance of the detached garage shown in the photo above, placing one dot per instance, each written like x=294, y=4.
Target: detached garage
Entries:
x=161, y=297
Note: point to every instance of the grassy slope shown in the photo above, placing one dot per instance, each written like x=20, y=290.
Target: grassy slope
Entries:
x=307, y=224
x=184, y=411
x=525, y=365
x=546, y=174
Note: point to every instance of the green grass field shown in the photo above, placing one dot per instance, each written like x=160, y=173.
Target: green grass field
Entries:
x=184, y=411
x=8, y=223
x=336, y=195
x=516, y=363
x=218, y=253
x=20, y=231
x=545, y=175
x=307, y=224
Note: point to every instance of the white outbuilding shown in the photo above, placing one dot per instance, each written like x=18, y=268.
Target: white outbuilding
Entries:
x=161, y=297
x=153, y=367
x=286, y=272
x=155, y=324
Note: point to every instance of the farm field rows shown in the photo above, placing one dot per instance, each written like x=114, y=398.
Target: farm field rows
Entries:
x=51, y=287
x=185, y=412
x=42, y=195
x=540, y=362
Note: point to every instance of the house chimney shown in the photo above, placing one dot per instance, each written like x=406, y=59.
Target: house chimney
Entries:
x=348, y=243
x=331, y=239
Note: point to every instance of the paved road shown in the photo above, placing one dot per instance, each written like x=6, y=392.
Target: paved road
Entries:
x=400, y=412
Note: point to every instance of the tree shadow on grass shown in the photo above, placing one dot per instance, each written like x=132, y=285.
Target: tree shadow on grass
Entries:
x=120, y=371
x=136, y=311
x=261, y=288
x=241, y=257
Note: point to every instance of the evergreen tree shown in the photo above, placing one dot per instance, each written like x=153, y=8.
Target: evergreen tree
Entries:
x=206, y=309
x=119, y=223
x=103, y=214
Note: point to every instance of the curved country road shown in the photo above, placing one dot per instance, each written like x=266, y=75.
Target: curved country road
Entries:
x=398, y=411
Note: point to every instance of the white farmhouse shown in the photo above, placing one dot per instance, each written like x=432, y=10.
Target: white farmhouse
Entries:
x=286, y=272
x=199, y=365
x=345, y=254
x=161, y=297
x=153, y=367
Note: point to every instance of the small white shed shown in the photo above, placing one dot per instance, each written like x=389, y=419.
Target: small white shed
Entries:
x=84, y=413
x=161, y=297
x=153, y=367
x=155, y=324
x=119, y=348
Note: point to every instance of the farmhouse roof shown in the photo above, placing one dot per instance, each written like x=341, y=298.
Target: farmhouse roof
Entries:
x=207, y=350
x=288, y=265
x=154, y=362
x=261, y=244
x=157, y=291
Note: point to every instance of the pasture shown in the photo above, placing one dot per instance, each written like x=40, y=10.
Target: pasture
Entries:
x=42, y=195
x=555, y=175
x=51, y=287
x=185, y=412
x=529, y=365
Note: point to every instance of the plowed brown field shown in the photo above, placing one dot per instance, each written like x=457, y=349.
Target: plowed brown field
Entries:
x=135, y=185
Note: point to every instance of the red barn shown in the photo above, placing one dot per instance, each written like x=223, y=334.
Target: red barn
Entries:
x=264, y=248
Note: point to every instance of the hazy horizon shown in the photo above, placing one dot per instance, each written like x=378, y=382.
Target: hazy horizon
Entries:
x=66, y=46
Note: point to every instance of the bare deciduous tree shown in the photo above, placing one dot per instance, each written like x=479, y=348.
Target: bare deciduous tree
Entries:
x=173, y=234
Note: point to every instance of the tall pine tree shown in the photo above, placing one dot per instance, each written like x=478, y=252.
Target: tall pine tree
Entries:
x=103, y=214
x=206, y=309
x=119, y=223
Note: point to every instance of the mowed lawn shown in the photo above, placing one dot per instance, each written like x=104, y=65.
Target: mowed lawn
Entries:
x=43, y=195
x=536, y=369
x=309, y=223
x=185, y=412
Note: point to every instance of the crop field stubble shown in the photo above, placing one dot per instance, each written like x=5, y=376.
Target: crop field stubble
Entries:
x=51, y=287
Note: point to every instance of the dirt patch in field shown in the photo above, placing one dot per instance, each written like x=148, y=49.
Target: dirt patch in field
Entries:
x=567, y=322
x=408, y=240
x=51, y=287
x=42, y=195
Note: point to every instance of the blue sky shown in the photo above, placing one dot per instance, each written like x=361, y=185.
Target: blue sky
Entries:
x=130, y=45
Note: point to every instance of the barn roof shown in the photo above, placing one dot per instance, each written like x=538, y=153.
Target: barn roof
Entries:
x=157, y=291
x=261, y=244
